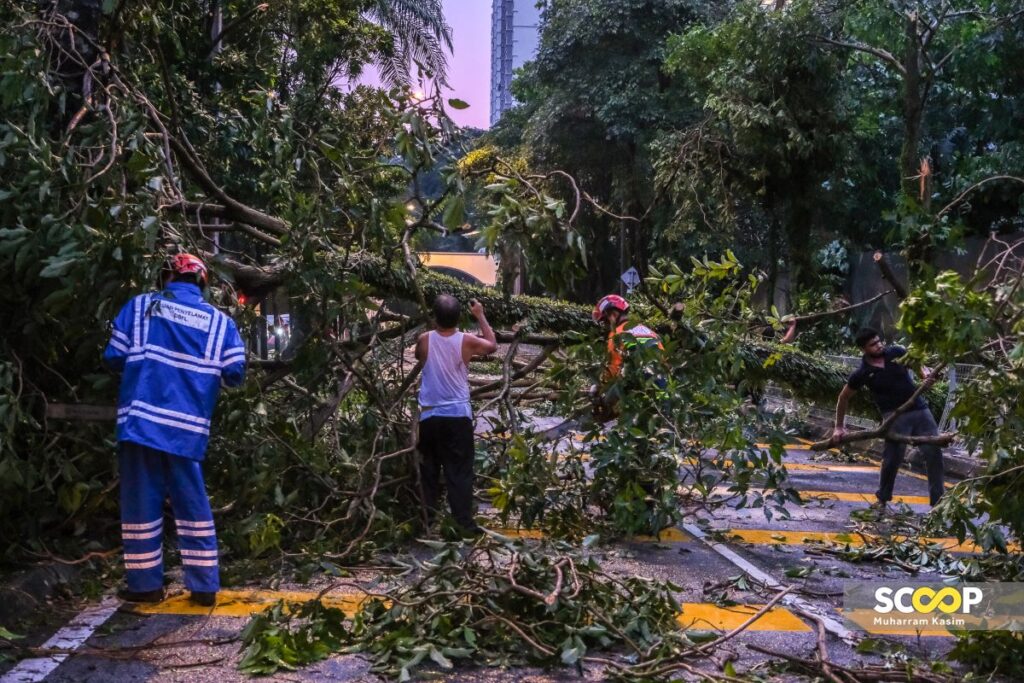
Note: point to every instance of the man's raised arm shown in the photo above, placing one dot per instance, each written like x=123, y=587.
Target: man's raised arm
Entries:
x=486, y=343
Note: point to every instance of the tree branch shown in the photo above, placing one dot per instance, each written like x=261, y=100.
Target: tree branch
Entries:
x=882, y=431
x=887, y=273
x=867, y=49
x=815, y=317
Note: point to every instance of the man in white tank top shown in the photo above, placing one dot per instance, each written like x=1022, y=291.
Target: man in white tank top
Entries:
x=446, y=416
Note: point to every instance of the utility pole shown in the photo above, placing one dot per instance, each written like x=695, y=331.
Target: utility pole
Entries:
x=622, y=256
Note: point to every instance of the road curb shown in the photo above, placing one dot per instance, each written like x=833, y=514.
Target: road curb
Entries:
x=22, y=594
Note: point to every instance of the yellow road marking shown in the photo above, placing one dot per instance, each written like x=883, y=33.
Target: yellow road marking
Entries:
x=801, y=466
x=846, y=496
x=244, y=603
x=813, y=467
x=704, y=615
x=772, y=537
x=521, y=533
x=668, y=535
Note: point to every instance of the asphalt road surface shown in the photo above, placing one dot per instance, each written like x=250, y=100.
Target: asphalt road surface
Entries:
x=175, y=641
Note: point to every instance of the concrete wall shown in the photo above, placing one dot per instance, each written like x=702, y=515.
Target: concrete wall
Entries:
x=865, y=280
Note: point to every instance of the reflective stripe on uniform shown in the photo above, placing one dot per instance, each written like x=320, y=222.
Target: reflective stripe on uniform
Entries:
x=143, y=565
x=141, y=526
x=144, y=556
x=195, y=525
x=198, y=563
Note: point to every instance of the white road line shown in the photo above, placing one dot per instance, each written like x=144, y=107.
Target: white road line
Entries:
x=831, y=625
x=69, y=638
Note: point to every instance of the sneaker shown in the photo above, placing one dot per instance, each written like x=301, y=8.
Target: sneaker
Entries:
x=204, y=599
x=141, y=596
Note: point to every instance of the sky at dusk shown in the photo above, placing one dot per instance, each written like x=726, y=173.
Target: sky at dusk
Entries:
x=469, y=68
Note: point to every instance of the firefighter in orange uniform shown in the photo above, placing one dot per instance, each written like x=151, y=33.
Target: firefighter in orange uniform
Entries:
x=614, y=311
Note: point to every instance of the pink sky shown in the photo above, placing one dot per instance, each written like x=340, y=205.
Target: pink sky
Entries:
x=469, y=65
x=469, y=68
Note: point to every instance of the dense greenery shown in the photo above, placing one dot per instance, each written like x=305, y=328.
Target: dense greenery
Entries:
x=778, y=139
x=778, y=133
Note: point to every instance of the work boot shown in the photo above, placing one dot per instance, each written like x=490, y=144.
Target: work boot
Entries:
x=141, y=596
x=471, y=532
x=204, y=599
x=879, y=509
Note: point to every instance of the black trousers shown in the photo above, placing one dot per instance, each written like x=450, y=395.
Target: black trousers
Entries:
x=446, y=443
x=918, y=422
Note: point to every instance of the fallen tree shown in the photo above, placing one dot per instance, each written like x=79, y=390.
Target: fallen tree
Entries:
x=809, y=378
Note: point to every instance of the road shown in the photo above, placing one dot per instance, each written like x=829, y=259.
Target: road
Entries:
x=175, y=641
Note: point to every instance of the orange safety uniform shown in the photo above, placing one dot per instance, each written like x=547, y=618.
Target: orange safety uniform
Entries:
x=639, y=332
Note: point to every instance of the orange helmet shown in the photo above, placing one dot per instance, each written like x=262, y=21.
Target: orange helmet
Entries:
x=182, y=264
x=607, y=303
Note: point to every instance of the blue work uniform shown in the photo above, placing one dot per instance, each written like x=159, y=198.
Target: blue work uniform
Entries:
x=174, y=351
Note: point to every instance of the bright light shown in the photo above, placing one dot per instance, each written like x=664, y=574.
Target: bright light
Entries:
x=279, y=331
x=418, y=95
x=410, y=207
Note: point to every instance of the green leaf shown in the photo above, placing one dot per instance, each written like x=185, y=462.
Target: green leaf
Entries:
x=571, y=655
x=454, y=213
x=440, y=659
x=4, y=633
x=57, y=267
x=456, y=103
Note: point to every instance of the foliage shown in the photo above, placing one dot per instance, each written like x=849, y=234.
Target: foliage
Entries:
x=772, y=132
x=592, y=101
x=990, y=653
x=978, y=320
x=99, y=187
x=497, y=603
x=539, y=488
x=768, y=140
x=291, y=635
x=420, y=38
x=675, y=405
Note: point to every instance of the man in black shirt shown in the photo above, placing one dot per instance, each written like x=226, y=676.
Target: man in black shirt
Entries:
x=891, y=386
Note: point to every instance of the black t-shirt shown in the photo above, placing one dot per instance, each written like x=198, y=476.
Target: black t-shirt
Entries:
x=890, y=385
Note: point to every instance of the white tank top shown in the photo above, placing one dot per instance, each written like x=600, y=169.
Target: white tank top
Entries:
x=444, y=389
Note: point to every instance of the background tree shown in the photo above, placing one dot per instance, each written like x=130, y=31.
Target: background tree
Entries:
x=421, y=40
x=751, y=173
x=593, y=101
x=919, y=44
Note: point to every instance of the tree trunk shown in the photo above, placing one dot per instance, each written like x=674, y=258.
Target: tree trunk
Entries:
x=815, y=380
x=913, y=107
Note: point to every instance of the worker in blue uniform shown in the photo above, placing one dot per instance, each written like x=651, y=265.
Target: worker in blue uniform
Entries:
x=174, y=351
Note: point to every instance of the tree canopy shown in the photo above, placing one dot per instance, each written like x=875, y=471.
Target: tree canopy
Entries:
x=736, y=153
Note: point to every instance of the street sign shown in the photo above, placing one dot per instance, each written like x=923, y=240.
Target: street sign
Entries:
x=631, y=278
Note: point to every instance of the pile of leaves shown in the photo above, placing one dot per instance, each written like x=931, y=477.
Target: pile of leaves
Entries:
x=495, y=603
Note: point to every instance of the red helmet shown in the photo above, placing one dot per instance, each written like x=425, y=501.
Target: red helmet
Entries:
x=182, y=264
x=606, y=304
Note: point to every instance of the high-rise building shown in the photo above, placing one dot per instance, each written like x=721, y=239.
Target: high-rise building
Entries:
x=515, y=33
